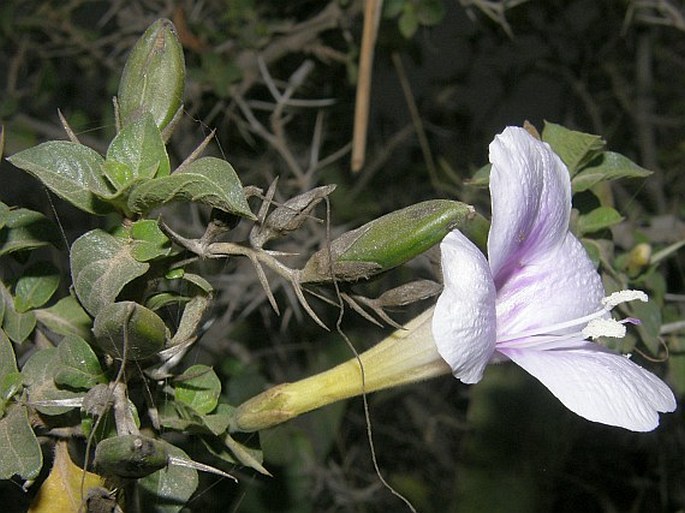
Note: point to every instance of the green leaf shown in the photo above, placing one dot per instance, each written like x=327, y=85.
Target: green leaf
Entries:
x=66, y=317
x=36, y=286
x=198, y=387
x=129, y=330
x=608, y=166
x=39, y=376
x=209, y=180
x=4, y=214
x=198, y=281
x=140, y=148
x=158, y=301
x=10, y=378
x=599, y=219
x=154, y=76
x=20, y=452
x=101, y=265
x=149, y=241
x=480, y=178
x=574, y=148
x=430, y=12
x=388, y=241
x=25, y=229
x=218, y=421
x=168, y=489
x=408, y=23
x=18, y=326
x=80, y=366
x=10, y=384
x=8, y=361
x=70, y=170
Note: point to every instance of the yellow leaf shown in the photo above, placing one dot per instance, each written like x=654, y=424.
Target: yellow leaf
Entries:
x=61, y=491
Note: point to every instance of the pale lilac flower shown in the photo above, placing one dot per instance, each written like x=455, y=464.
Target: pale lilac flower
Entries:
x=537, y=299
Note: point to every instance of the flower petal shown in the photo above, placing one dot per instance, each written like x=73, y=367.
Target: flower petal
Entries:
x=551, y=288
x=530, y=192
x=464, y=325
x=599, y=385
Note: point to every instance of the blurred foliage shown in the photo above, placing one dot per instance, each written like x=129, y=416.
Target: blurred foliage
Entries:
x=277, y=81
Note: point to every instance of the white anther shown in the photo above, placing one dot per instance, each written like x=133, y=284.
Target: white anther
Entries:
x=623, y=296
x=604, y=328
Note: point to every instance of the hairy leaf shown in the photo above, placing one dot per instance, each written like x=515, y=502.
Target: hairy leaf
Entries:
x=101, y=265
x=209, y=180
x=199, y=387
x=574, y=148
x=36, y=286
x=20, y=452
x=26, y=229
x=140, y=148
x=599, y=219
x=129, y=330
x=80, y=367
x=608, y=166
x=66, y=317
x=168, y=489
x=70, y=170
x=39, y=376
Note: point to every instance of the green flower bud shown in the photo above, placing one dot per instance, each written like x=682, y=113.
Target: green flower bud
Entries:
x=388, y=241
x=154, y=76
x=132, y=456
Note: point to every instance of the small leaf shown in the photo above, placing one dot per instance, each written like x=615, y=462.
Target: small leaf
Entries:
x=599, y=219
x=26, y=229
x=10, y=384
x=18, y=326
x=168, y=489
x=198, y=281
x=80, y=367
x=70, y=170
x=61, y=491
x=199, y=387
x=101, y=265
x=408, y=22
x=608, y=166
x=39, y=376
x=127, y=329
x=8, y=361
x=4, y=214
x=36, y=286
x=480, y=178
x=574, y=148
x=149, y=242
x=193, y=312
x=140, y=148
x=249, y=457
x=163, y=299
x=20, y=452
x=430, y=12
x=218, y=421
x=66, y=317
x=209, y=180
